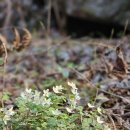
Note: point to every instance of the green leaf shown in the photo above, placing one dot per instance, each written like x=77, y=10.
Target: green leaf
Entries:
x=1, y=61
x=38, y=128
x=64, y=71
x=6, y=96
x=52, y=122
x=86, y=123
x=44, y=125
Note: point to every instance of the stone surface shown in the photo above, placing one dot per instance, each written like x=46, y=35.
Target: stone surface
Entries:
x=104, y=10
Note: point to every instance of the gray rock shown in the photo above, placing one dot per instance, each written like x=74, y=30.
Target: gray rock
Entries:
x=104, y=10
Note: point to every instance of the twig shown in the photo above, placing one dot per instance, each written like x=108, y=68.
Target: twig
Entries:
x=44, y=29
x=94, y=43
x=112, y=33
x=114, y=126
x=49, y=18
x=58, y=44
x=60, y=21
x=118, y=96
x=5, y=61
x=82, y=76
x=8, y=13
x=97, y=91
x=6, y=53
x=125, y=28
x=22, y=17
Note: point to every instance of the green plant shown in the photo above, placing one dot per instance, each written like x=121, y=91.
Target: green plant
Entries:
x=51, y=110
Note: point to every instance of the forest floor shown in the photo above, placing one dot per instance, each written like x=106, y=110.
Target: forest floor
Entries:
x=97, y=66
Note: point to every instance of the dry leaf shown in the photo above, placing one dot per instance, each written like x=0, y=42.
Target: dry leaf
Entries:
x=88, y=73
x=102, y=98
x=120, y=69
x=12, y=40
x=16, y=40
x=121, y=64
x=108, y=66
x=26, y=38
x=2, y=40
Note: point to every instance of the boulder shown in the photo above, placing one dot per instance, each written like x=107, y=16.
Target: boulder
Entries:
x=117, y=11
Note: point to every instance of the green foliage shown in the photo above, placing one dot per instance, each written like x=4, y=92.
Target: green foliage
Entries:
x=51, y=110
x=1, y=61
x=49, y=82
x=5, y=96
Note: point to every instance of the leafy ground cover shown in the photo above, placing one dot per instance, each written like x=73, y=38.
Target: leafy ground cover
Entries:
x=98, y=67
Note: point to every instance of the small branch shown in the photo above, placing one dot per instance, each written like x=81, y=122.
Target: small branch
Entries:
x=8, y=13
x=5, y=61
x=125, y=28
x=58, y=44
x=60, y=21
x=6, y=53
x=118, y=96
x=82, y=76
x=49, y=18
x=114, y=126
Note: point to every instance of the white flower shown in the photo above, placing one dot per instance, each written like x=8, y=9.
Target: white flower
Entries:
x=2, y=109
x=99, y=120
x=46, y=93
x=28, y=90
x=106, y=127
x=46, y=101
x=58, y=89
x=6, y=118
x=37, y=94
x=23, y=95
x=36, y=97
x=9, y=112
x=36, y=100
x=77, y=97
x=73, y=103
x=27, y=95
x=90, y=105
x=74, y=91
x=71, y=84
x=70, y=110
x=99, y=110
x=56, y=112
x=41, y=98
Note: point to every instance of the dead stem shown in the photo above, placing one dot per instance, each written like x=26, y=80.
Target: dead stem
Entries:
x=118, y=96
x=49, y=18
x=5, y=61
x=8, y=13
x=60, y=21
x=114, y=126
x=125, y=28
x=82, y=76
x=58, y=44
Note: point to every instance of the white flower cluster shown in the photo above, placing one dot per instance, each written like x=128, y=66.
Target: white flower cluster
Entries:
x=56, y=112
x=73, y=101
x=7, y=114
x=58, y=89
x=36, y=97
x=99, y=110
x=74, y=90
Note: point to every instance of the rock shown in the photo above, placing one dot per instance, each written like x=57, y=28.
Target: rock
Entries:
x=102, y=10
